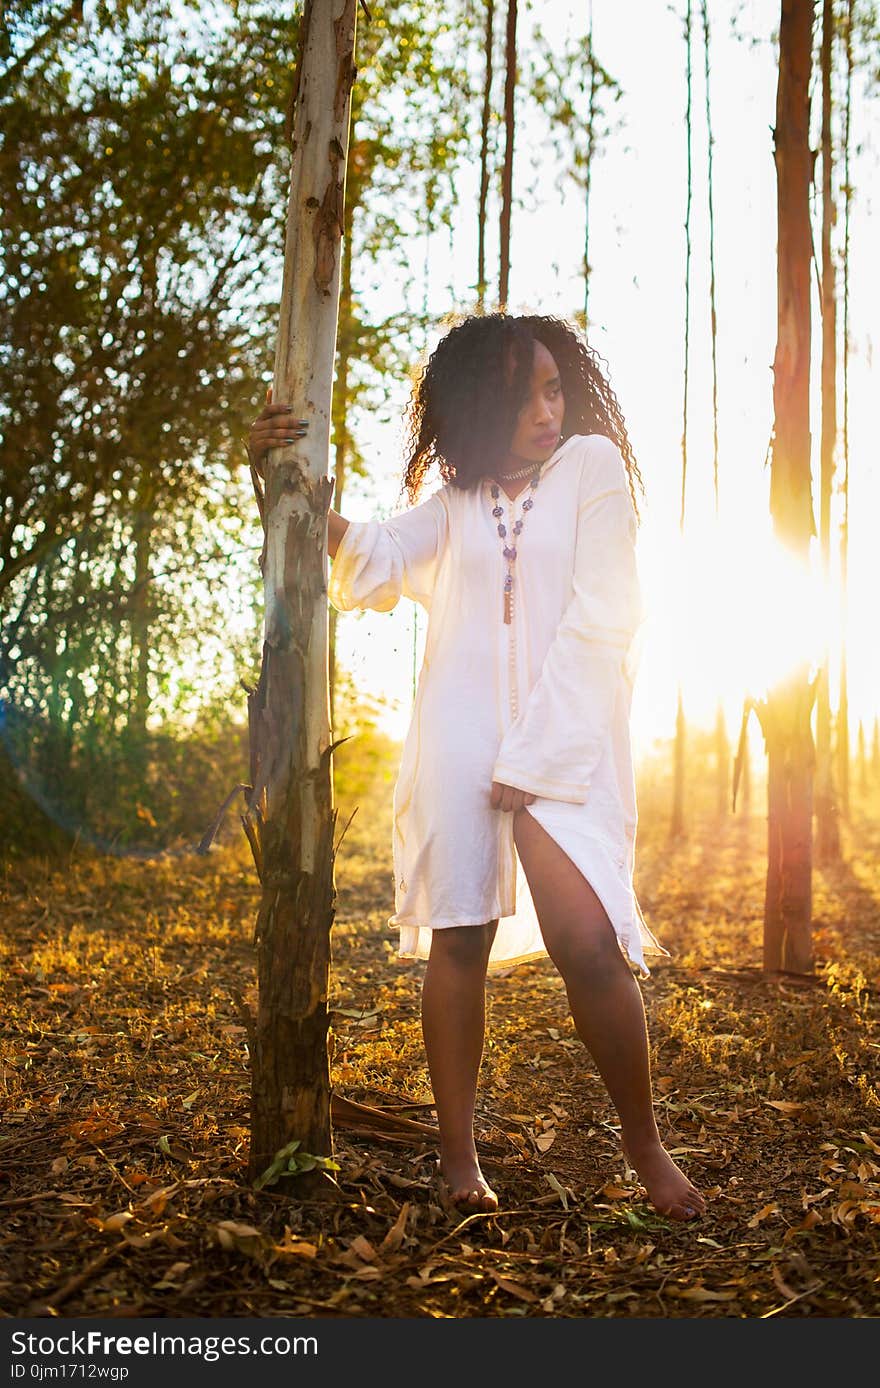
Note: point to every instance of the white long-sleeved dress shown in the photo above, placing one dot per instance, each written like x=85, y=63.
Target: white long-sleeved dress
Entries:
x=542, y=703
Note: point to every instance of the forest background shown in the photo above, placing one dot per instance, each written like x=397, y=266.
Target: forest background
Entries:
x=144, y=169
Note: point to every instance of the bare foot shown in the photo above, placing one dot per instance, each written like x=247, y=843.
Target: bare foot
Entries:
x=669, y=1190
x=467, y=1186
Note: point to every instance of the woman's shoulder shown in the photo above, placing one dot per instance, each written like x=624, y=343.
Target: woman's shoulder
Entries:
x=600, y=463
x=451, y=497
x=598, y=450
x=435, y=500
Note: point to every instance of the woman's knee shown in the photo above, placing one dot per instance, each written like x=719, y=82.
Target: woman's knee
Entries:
x=464, y=946
x=589, y=956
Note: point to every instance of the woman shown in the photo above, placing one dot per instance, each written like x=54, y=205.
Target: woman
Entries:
x=514, y=807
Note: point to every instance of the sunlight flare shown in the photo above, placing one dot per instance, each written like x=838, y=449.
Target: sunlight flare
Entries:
x=736, y=619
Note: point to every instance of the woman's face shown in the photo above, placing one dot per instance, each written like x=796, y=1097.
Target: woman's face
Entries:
x=539, y=423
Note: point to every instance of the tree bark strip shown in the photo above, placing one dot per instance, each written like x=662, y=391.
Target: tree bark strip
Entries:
x=827, y=826
x=341, y=405
x=787, y=714
x=290, y=818
x=842, y=740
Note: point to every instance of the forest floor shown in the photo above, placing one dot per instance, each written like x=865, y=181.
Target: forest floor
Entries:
x=125, y=1090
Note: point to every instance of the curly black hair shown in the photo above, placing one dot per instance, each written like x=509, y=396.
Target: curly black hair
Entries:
x=465, y=405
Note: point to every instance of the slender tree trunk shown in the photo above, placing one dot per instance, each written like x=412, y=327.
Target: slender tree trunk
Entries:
x=142, y=598
x=862, y=760
x=485, y=118
x=290, y=818
x=588, y=179
x=507, y=174
x=742, y=764
x=827, y=828
x=677, y=825
x=842, y=747
x=141, y=605
x=746, y=779
x=722, y=763
x=710, y=185
x=788, y=709
x=340, y=431
x=842, y=728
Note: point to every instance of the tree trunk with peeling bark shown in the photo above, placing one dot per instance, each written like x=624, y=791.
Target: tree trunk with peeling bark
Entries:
x=786, y=714
x=827, y=826
x=341, y=434
x=290, y=818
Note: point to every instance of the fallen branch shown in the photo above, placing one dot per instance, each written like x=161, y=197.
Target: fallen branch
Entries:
x=73, y=1284
x=346, y=1113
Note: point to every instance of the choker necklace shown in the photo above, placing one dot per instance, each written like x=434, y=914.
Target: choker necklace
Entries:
x=522, y=472
x=526, y=471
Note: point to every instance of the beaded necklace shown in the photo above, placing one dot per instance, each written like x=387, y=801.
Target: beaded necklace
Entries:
x=509, y=550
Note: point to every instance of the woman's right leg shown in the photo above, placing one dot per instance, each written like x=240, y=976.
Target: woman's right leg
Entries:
x=453, y=1025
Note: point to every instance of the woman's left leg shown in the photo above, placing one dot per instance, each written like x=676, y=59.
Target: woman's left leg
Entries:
x=453, y=1025
x=606, y=1005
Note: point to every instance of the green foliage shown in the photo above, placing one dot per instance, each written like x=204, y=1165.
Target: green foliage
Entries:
x=138, y=287
x=117, y=794
x=152, y=205
x=290, y=1161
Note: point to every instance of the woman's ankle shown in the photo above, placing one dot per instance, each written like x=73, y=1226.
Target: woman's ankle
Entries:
x=458, y=1149
x=644, y=1138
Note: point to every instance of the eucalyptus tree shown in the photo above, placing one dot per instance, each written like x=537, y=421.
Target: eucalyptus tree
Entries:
x=787, y=711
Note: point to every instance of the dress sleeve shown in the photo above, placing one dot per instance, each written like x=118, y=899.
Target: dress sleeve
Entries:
x=553, y=746
x=377, y=561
